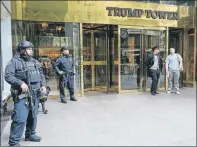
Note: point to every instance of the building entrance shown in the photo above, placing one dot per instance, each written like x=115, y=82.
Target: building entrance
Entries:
x=100, y=55
x=135, y=44
x=114, y=57
x=176, y=41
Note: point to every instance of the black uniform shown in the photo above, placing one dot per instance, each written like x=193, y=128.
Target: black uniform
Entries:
x=15, y=75
x=65, y=64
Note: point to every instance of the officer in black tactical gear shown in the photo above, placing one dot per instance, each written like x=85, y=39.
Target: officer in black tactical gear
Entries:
x=65, y=68
x=16, y=73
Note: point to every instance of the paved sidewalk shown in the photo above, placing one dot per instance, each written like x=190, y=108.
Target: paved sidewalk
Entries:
x=137, y=119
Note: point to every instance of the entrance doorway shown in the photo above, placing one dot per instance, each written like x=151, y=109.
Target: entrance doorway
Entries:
x=114, y=57
x=176, y=41
x=135, y=44
x=100, y=55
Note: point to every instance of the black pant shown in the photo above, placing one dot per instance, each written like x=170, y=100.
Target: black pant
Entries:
x=155, y=74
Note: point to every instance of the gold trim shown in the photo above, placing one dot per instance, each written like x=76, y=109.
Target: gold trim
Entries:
x=142, y=28
x=87, y=63
x=92, y=57
x=116, y=62
x=119, y=61
x=81, y=54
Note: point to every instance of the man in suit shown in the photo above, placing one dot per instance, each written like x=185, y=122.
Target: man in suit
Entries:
x=154, y=64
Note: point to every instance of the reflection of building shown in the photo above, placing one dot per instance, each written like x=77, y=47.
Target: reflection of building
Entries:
x=98, y=41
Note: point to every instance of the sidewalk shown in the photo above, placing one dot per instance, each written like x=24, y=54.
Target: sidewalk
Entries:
x=137, y=119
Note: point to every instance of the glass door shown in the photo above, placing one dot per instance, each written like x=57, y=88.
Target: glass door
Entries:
x=130, y=58
x=152, y=38
x=135, y=44
x=176, y=41
x=101, y=57
x=96, y=57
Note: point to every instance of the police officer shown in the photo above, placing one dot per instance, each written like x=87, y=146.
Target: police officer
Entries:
x=15, y=74
x=65, y=68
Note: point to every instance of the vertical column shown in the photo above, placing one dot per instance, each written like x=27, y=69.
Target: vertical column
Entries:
x=92, y=61
x=6, y=43
x=195, y=47
x=119, y=61
x=167, y=42
x=81, y=58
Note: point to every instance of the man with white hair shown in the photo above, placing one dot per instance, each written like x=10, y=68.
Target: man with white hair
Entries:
x=174, y=64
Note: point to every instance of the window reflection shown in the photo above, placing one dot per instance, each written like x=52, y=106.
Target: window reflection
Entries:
x=48, y=38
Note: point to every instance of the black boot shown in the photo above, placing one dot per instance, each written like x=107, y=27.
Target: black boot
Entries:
x=72, y=98
x=152, y=93
x=64, y=101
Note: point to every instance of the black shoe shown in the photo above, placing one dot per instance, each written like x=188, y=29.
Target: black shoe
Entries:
x=73, y=99
x=15, y=145
x=64, y=101
x=156, y=93
x=33, y=138
x=152, y=93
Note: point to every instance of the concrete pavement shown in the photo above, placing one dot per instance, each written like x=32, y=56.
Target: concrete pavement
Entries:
x=137, y=119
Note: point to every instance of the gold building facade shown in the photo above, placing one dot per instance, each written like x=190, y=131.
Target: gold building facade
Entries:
x=109, y=40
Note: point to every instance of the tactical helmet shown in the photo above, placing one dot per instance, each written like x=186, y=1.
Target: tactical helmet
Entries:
x=64, y=48
x=24, y=44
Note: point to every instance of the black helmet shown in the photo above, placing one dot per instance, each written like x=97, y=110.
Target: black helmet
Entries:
x=64, y=48
x=24, y=44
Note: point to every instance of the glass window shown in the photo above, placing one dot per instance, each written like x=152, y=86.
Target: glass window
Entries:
x=153, y=1
x=48, y=38
x=169, y=2
x=186, y=2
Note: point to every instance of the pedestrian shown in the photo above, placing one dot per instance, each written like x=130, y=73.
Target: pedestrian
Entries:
x=26, y=78
x=174, y=64
x=64, y=66
x=154, y=66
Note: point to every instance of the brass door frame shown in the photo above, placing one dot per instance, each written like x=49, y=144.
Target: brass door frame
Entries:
x=119, y=55
x=193, y=82
x=92, y=63
x=81, y=63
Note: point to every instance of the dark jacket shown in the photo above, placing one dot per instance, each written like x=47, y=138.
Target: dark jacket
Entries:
x=149, y=62
x=15, y=66
x=64, y=63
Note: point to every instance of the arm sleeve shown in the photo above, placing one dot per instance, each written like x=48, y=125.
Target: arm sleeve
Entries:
x=73, y=65
x=10, y=74
x=167, y=60
x=147, y=60
x=56, y=65
x=179, y=58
